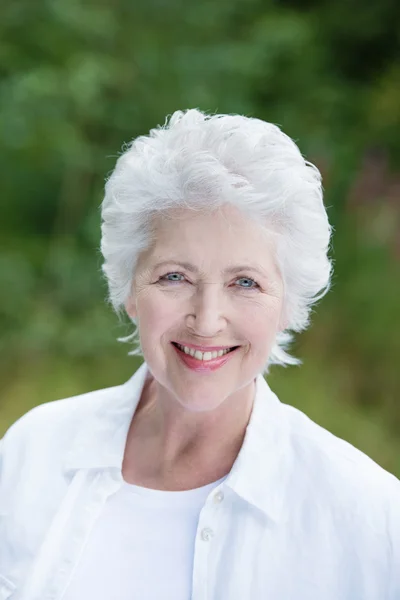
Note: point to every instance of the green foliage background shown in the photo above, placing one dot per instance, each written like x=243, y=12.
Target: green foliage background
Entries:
x=79, y=79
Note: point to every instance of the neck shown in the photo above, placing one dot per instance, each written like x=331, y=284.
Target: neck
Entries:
x=169, y=447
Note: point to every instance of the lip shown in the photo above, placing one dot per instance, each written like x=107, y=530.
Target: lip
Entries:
x=200, y=366
x=205, y=348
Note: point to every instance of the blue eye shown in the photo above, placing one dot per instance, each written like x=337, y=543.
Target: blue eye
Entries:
x=246, y=287
x=165, y=277
x=175, y=277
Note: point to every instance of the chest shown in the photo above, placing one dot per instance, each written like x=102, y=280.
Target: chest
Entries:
x=233, y=552
x=141, y=546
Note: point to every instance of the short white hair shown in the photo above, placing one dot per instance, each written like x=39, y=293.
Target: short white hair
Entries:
x=202, y=161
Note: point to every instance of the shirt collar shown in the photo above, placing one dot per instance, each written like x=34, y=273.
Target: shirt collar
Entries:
x=261, y=471
x=259, y=474
x=100, y=442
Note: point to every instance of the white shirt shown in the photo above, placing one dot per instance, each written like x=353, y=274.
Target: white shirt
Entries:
x=141, y=546
x=303, y=515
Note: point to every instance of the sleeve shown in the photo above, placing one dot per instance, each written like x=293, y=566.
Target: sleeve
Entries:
x=2, y=492
x=2, y=467
x=394, y=535
x=11, y=445
x=1, y=459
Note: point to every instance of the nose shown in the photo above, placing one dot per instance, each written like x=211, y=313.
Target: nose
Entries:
x=207, y=316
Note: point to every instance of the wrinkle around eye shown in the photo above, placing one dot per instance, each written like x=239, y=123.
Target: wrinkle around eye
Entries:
x=163, y=280
x=252, y=288
x=272, y=289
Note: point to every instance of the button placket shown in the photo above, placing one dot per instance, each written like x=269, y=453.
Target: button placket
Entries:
x=206, y=532
x=218, y=496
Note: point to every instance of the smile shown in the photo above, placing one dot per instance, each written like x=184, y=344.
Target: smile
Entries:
x=204, y=356
x=204, y=362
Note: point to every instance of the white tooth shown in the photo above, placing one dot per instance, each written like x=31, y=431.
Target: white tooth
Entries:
x=203, y=355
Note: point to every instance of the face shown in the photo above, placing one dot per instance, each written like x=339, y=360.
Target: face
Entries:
x=208, y=281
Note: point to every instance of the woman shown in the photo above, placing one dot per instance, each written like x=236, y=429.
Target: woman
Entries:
x=192, y=480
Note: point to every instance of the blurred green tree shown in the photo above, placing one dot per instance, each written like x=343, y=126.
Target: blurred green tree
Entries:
x=78, y=80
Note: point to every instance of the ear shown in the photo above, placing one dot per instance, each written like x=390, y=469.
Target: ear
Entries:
x=130, y=307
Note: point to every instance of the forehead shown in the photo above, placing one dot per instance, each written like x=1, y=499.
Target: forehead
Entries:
x=194, y=225
x=224, y=235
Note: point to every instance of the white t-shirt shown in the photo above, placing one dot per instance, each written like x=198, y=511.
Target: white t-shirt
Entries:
x=141, y=546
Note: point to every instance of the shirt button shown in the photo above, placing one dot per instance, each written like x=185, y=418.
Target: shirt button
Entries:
x=206, y=534
x=219, y=496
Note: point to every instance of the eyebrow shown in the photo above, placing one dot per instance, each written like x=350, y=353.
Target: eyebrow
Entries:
x=229, y=270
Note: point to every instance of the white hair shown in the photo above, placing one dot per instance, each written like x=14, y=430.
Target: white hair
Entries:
x=201, y=161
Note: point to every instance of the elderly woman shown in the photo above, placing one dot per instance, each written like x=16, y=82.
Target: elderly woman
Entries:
x=192, y=480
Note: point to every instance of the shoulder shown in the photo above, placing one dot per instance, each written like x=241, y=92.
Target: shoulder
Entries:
x=66, y=412
x=50, y=427
x=331, y=460
x=355, y=495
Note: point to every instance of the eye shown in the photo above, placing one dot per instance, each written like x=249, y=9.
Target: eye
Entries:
x=250, y=284
x=168, y=277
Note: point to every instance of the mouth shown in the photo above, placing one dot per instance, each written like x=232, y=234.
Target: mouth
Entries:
x=204, y=356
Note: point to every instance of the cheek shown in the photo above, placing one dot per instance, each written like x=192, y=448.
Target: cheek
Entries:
x=260, y=321
x=157, y=312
